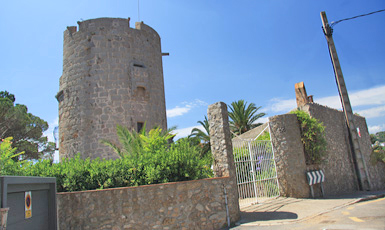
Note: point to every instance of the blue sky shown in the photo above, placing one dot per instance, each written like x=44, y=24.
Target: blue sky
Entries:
x=219, y=51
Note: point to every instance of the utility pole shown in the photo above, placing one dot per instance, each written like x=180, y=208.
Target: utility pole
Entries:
x=358, y=157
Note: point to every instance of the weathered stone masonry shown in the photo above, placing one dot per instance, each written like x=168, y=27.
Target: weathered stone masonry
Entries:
x=222, y=150
x=184, y=205
x=200, y=204
x=112, y=74
x=338, y=165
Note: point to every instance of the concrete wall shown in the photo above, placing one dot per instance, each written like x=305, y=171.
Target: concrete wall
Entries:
x=186, y=205
x=112, y=74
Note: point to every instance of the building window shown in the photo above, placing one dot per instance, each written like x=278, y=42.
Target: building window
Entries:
x=140, y=91
x=139, y=126
x=138, y=65
x=60, y=96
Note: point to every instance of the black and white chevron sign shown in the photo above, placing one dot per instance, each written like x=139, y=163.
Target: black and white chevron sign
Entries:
x=315, y=177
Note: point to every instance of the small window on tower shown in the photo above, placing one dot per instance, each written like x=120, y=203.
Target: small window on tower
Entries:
x=60, y=96
x=140, y=126
x=140, y=91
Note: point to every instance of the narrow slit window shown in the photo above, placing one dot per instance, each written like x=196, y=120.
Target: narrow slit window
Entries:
x=139, y=65
x=139, y=126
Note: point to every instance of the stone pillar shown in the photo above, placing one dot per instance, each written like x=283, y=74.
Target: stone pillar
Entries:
x=220, y=140
x=289, y=155
x=222, y=150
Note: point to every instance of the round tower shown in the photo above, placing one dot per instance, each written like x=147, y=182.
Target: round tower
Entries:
x=112, y=74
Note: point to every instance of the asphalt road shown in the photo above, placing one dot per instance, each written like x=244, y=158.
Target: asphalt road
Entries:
x=362, y=215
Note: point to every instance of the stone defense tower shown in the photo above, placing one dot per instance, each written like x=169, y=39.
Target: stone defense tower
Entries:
x=112, y=74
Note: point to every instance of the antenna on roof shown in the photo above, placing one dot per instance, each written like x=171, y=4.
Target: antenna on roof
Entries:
x=138, y=12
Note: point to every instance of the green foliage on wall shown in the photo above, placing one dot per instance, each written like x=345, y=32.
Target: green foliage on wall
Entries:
x=312, y=137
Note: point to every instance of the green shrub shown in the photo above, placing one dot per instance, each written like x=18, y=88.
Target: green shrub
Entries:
x=160, y=161
x=77, y=174
x=9, y=166
x=150, y=160
x=312, y=137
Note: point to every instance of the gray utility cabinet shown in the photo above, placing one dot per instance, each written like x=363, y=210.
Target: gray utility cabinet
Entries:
x=31, y=202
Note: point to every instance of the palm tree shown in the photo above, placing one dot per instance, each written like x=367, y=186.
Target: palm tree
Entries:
x=243, y=117
x=133, y=142
x=129, y=141
x=204, y=137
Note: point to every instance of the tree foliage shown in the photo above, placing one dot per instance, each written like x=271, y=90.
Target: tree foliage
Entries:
x=203, y=137
x=7, y=153
x=243, y=116
x=25, y=128
x=312, y=137
x=378, y=137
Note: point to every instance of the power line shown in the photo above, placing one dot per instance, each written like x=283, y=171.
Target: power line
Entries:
x=362, y=15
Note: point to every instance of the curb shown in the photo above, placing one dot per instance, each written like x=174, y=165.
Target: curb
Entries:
x=357, y=200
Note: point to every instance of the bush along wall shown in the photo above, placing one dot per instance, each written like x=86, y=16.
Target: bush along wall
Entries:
x=154, y=161
x=312, y=137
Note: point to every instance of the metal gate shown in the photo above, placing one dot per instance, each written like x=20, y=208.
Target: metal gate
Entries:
x=256, y=170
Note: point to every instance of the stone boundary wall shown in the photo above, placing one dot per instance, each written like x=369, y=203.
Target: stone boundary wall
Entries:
x=198, y=204
x=289, y=155
x=377, y=170
x=340, y=176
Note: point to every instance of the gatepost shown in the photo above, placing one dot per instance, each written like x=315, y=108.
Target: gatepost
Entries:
x=222, y=150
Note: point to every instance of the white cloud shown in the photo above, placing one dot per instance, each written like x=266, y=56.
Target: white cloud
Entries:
x=49, y=132
x=279, y=105
x=187, y=106
x=262, y=120
x=373, y=112
x=332, y=102
x=373, y=96
x=366, y=97
x=185, y=131
x=376, y=128
x=178, y=111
